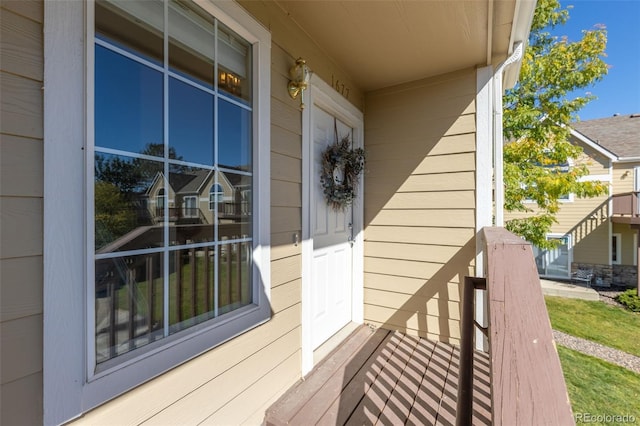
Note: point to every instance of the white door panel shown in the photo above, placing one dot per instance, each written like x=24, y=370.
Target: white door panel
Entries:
x=332, y=252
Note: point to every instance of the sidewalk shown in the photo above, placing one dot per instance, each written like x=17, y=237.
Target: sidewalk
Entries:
x=569, y=290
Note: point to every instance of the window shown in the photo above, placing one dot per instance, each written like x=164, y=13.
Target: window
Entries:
x=190, y=206
x=216, y=194
x=172, y=95
x=616, y=249
x=555, y=169
x=555, y=262
x=162, y=119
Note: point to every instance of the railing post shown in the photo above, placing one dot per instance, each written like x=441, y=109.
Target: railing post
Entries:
x=464, y=410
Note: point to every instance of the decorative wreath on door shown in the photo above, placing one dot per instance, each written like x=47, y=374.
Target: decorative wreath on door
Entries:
x=341, y=169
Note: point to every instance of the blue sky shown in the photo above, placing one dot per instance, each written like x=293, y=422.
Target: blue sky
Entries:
x=619, y=91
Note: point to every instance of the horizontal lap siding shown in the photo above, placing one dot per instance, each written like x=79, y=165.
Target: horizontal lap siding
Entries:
x=623, y=177
x=420, y=204
x=21, y=191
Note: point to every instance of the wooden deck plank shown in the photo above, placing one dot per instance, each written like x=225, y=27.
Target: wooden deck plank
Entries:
x=401, y=399
x=297, y=397
x=448, y=403
x=384, y=378
x=481, y=390
x=342, y=407
x=376, y=394
x=333, y=387
x=427, y=403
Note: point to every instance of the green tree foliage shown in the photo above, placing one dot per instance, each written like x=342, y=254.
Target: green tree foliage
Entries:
x=537, y=112
x=114, y=215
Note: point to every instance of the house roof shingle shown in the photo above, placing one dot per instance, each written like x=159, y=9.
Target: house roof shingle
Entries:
x=619, y=134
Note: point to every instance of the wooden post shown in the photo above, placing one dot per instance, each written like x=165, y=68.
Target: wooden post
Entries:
x=149, y=269
x=178, y=266
x=194, y=270
x=131, y=290
x=527, y=384
x=205, y=272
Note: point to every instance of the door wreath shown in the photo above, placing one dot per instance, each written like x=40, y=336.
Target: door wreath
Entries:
x=341, y=169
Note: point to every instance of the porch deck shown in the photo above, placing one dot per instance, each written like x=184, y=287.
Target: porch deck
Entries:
x=384, y=377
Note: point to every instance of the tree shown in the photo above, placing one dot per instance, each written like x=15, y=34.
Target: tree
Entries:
x=537, y=112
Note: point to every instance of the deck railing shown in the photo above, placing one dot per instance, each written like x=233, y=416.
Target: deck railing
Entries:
x=527, y=384
x=625, y=204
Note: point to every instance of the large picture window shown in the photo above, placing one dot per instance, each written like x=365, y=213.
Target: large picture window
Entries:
x=172, y=114
x=148, y=105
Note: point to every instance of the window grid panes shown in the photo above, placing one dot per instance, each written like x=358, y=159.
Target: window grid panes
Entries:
x=173, y=119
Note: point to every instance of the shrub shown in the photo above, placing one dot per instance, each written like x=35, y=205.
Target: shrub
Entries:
x=630, y=299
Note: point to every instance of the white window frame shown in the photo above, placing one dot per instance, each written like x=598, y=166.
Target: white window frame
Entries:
x=618, y=250
x=68, y=388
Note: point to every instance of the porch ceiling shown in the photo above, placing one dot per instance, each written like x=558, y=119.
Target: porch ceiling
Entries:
x=388, y=42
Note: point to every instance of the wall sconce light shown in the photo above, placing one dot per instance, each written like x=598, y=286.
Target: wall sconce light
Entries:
x=300, y=75
x=625, y=174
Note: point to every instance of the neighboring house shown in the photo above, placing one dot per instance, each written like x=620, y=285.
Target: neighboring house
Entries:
x=186, y=326
x=600, y=233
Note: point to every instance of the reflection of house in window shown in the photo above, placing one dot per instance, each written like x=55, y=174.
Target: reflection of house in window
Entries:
x=160, y=202
x=190, y=206
x=216, y=194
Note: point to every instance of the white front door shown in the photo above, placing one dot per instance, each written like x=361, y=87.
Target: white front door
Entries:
x=331, y=231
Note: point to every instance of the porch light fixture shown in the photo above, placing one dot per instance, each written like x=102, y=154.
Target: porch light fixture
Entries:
x=300, y=75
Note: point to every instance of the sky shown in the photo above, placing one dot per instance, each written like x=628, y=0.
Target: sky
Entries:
x=619, y=91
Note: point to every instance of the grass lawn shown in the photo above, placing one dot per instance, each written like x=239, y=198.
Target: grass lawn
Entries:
x=598, y=388
x=596, y=321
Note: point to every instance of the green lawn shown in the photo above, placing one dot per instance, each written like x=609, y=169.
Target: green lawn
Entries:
x=597, y=388
x=596, y=321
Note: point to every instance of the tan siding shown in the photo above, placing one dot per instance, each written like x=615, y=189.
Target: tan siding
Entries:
x=22, y=401
x=21, y=190
x=32, y=9
x=21, y=347
x=285, y=270
x=208, y=398
x=438, y=327
x=21, y=290
x=623, y=177
x=286, y=168
x=283, y=245
x=179, y=384
x=592, y=246
x=270, y=386
x=21, y=106
x=420, y=203
x=409, y=286
x=286, y=295
x=436, y=218
x=418, y=235
x=21, y=43
x=21, y=233
x=628, y=247
x=21, y=166
x=286, y=194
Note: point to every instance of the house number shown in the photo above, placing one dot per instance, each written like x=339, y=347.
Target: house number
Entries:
x=340, y=87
